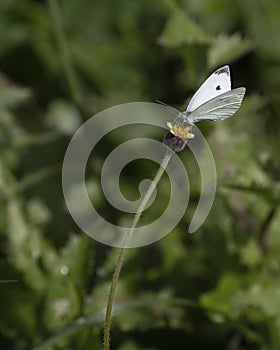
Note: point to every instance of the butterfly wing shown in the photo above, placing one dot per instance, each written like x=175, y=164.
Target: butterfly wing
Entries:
x=217, y=84
x=219, y=107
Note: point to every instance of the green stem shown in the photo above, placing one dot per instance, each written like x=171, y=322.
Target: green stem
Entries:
x=67, y=63
x=115, y=279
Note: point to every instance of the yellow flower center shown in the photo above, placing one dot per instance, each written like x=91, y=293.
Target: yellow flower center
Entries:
x=183, y=132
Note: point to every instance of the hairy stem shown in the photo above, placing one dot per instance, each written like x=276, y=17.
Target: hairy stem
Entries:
x=115, y=279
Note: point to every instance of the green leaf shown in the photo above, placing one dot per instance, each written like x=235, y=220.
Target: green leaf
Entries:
x=219, y=298
x=11, y=97
x=38, y=212
x=250, y=254
x=182, y=29
x=226, y=49
x=64, y=117
x=263, y=294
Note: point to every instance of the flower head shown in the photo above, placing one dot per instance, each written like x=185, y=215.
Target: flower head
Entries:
x=178, y=134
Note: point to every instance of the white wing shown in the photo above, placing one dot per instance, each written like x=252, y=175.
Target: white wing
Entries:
x=220, y=107
x=216, y=84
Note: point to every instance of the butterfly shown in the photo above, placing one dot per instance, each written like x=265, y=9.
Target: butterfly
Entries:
x=214, y=100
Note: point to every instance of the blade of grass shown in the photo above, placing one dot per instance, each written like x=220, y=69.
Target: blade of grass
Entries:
x=66, y=59
x=119, y=308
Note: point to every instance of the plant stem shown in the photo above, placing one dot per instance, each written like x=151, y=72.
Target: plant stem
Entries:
x=115, y=278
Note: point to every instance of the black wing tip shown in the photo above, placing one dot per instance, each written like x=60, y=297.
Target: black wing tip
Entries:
x=222, y=70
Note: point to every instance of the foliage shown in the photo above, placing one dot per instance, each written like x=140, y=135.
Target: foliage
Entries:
x=216, y=289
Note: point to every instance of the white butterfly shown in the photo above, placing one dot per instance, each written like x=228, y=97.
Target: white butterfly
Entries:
x=214, y=100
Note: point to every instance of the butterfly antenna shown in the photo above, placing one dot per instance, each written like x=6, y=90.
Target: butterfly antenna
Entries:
x=162, y=103
x=165, y=104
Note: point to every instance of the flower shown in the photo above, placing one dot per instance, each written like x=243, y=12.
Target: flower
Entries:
x=178, y=134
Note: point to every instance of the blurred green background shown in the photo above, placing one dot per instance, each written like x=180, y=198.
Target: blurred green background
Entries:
x=63, y=61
